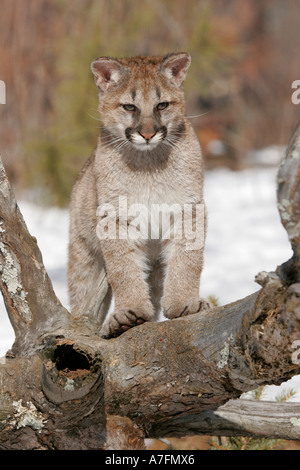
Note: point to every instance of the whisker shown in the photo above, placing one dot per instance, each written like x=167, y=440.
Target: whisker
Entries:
x=121, y=145
x=109, y=138
x=171, y=142
x=93, y=117
x=111, y=142
x=197, y=115
x=118, y=142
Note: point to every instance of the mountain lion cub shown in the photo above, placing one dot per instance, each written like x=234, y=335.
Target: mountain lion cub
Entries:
x=137, y=206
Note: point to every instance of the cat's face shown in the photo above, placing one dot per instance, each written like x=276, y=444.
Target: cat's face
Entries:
x=141, y=100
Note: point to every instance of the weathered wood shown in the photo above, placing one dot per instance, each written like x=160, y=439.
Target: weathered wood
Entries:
x=288, y=190
x=239, y=418
x=68, y=388
x=30, y=301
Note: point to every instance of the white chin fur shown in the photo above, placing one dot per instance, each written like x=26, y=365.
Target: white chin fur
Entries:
x=139, y=142
x=145, y=147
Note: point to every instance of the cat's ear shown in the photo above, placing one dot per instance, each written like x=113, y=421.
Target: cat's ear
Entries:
x=107, y=71
x=175, y=66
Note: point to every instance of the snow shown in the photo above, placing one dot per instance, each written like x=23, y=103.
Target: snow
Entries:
x=244, y=237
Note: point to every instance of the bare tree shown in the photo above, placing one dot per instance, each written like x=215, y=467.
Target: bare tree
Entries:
x=63, y=387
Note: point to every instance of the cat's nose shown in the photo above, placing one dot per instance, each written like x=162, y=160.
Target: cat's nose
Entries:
x=147, y=135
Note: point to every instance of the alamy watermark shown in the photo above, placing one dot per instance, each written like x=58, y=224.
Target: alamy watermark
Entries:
x=296, y=95
x=138, y=222
x=2, y=92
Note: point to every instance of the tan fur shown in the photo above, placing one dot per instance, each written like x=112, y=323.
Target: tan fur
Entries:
x=145, y=276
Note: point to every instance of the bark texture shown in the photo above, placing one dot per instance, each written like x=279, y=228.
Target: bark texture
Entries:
x=63, y=387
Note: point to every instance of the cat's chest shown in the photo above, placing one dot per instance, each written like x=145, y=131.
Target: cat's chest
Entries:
x=159, y=189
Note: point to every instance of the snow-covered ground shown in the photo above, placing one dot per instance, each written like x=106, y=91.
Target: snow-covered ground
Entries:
x=245, y=237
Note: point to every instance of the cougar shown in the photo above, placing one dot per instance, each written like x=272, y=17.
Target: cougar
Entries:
x=147, y=158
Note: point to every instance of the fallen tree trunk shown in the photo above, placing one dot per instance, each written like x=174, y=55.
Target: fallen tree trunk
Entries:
x=63, y=387
x=242, y=418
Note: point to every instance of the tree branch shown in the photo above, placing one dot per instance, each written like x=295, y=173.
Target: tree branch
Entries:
x=240, y=418
x=28, y=294
x=288, y=195
x=157, y=379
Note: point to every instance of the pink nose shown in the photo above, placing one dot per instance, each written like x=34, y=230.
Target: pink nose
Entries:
x=147, y=135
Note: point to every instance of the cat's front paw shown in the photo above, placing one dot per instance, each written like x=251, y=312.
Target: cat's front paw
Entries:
x=180, y=308
x=122, y=320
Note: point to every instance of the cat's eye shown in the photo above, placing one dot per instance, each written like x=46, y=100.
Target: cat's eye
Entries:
x=162, y=106
x=129, y=107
